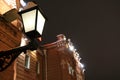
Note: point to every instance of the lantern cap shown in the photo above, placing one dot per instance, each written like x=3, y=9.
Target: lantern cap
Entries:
x=29, y=5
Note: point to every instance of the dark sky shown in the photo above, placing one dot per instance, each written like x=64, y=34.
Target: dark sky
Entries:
x=94, y=28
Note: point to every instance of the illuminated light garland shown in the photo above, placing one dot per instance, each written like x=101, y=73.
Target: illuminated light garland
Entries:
x=76, y=55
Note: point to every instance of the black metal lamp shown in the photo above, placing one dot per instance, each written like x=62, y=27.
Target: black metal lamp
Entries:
x=33, y=24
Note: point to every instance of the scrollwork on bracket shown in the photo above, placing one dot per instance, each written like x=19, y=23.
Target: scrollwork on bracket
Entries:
x=7, y=60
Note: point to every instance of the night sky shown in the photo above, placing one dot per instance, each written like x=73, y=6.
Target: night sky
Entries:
x=94, y=28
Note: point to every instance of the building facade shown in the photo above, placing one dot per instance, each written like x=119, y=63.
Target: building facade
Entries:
x=53, y=61
x=63, y=63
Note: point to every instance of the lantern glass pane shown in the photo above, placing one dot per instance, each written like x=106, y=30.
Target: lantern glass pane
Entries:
x=29, y=20
x=40, y=22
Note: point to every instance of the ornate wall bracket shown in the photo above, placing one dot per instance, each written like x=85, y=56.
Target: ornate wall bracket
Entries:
x=8, y=57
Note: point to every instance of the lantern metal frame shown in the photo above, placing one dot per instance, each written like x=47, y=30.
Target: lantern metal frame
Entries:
x=34, y=33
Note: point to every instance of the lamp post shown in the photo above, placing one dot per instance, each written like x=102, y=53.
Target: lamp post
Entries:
x=33, y=24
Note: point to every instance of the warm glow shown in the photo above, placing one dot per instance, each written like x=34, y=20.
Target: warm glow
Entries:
x=5, y=8
x=22, y=54
x=39, y=38
x=11, y=3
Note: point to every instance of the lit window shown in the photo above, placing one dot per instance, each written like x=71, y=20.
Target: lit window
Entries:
x=27, y=61
x=70, y=69
x=38, y=67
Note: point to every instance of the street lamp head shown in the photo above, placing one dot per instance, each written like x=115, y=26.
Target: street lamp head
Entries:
x=33, y=22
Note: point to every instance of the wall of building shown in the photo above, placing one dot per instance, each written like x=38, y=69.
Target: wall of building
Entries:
x=23, y=73
x=53, y=65
x=62, y=64
x=10, y=37
x=59, y=61
x=56, y=64
x=8, y=74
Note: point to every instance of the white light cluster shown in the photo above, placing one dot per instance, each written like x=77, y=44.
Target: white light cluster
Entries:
x=71, y=48
x=76, y=54
x=81, y=65
x=70, y=45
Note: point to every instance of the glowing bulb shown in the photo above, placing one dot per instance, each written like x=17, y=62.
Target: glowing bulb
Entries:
x=81, y=65
x=71, y=48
